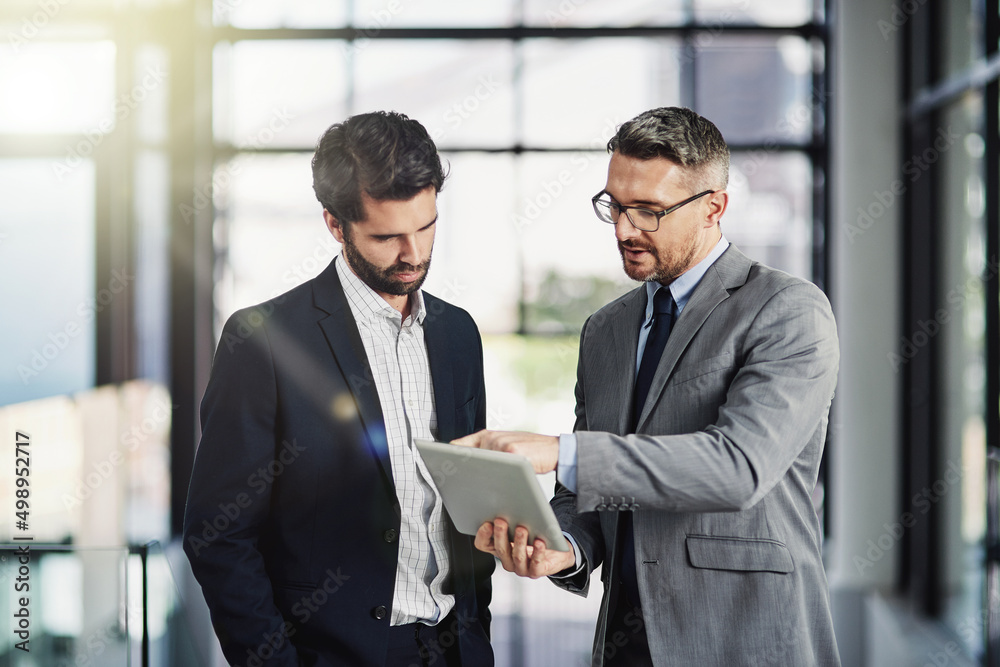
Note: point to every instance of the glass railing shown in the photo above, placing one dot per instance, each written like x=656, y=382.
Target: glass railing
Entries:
x=69, y=606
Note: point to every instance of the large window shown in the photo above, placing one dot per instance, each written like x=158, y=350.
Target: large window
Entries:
x=167, y=143
x=47, y=210
x=523, y=124
x=948, y=359
x=521, y=98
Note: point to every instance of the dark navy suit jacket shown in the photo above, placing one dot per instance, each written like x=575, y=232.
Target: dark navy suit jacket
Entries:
x=292, y=522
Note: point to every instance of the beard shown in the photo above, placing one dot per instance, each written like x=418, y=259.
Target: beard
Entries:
x=381, y=279
x=664, y=270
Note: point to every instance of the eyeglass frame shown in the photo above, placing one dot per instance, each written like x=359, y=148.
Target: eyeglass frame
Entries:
x=659, y=214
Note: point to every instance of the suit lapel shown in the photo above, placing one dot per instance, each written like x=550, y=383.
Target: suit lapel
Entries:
x=621, y=368
x=341, y=331
x=439, y=351
x=728, y=272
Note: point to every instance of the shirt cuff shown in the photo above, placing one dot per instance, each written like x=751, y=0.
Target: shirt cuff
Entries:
x=576, y=554
x=566, y=469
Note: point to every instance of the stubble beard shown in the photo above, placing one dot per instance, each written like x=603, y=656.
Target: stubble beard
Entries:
x=664, y=271
x=380, y=279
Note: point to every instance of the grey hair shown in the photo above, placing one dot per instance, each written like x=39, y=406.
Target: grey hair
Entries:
x=681, y=136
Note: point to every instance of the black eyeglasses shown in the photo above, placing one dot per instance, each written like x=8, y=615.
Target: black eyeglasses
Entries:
x=643, y=219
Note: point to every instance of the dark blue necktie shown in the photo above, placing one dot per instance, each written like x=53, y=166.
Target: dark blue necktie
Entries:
x=659, y=331
x=663, y=320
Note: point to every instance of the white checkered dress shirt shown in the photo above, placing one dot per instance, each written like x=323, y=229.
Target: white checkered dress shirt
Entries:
x=398, y=358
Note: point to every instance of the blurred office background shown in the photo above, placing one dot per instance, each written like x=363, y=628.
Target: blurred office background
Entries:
x=154, y=177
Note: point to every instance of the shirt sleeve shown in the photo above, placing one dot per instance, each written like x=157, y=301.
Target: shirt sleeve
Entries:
x=579, y=561
x=566, y=468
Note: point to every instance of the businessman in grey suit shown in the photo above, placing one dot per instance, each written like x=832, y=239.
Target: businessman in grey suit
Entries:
x=702, y=402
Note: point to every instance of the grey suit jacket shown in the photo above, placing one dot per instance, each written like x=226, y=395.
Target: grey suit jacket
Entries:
x=719, y=473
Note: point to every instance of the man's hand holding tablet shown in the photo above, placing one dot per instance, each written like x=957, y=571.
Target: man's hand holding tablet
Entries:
x=527, y=561
x=517, y=556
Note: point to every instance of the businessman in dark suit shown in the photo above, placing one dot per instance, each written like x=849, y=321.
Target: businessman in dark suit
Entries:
x=702, y=403
x=312, y=525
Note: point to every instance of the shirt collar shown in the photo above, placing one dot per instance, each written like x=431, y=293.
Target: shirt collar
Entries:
x=417, y=310
x=683, y=286
x=367, y=304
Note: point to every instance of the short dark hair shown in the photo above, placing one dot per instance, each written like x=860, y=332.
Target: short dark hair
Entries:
x=383, y=154
x=681, y=136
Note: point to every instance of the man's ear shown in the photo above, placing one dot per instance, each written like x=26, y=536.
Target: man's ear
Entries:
x=334, y=226
x=717, y=204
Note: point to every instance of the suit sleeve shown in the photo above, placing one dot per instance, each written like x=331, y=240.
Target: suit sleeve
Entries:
x=776, y=400
x=483, y=563
x=585, y=527
x=227, y=504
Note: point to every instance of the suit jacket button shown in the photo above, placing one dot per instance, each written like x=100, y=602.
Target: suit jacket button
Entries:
x=390, y=535
x=379, y=612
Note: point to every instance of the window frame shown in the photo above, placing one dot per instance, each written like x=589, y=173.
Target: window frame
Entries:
x=927, y=91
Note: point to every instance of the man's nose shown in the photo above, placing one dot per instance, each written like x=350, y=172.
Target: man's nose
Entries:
x=408, y=251
x=624, y=229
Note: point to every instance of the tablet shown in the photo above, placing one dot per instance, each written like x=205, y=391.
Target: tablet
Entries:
x=479, y=485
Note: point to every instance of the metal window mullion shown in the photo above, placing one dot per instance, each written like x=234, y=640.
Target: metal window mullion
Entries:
x=991, y=116
x=816, y=153
x=232, y=34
